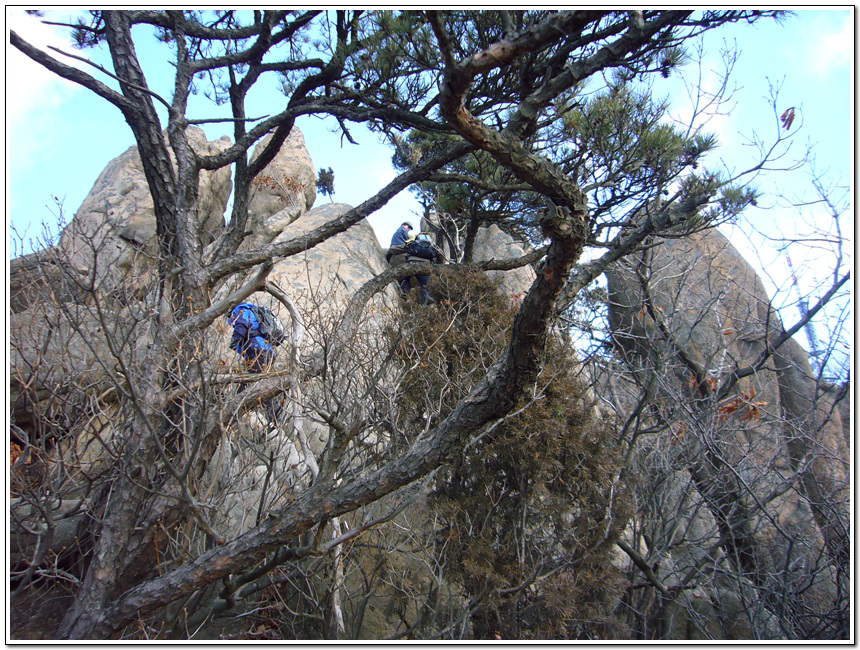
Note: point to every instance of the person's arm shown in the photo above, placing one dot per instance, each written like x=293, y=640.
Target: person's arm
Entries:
x=241, y=333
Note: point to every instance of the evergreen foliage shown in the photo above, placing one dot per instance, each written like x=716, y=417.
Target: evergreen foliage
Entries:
x=325, y=182
x=528, y=515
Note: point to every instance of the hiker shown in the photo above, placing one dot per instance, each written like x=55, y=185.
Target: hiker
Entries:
x=419, y=248
x=400, y=241
x=259, y=354
x=401, y=235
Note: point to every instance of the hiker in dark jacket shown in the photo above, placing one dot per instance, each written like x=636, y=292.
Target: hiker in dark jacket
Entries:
x=397, y=253
x=418, y=249
x=401, y=235
x=259, y=354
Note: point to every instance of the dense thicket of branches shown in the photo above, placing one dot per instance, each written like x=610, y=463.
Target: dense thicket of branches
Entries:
x=540, y=121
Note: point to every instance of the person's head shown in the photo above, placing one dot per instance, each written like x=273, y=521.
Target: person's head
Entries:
x=407, y=225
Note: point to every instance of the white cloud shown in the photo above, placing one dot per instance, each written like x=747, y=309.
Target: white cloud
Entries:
x=36, y=115
x=830, y=42
x=37, y=91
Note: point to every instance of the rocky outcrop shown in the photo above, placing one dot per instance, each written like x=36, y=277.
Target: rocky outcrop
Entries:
x=767, y=464
x=338, y=266
x=814, y=434
x=107, y=251
x=282, y=192
x=686, y=314
x=492, y=243
x=113, y=232
x=109, y=245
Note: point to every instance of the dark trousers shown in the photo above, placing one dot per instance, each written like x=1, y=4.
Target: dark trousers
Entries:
x=423, y=280
x=261, y=361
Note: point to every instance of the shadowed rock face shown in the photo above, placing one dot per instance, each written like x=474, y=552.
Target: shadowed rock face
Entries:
x=775, y=439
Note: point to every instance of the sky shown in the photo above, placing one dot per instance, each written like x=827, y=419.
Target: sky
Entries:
x=59, y=137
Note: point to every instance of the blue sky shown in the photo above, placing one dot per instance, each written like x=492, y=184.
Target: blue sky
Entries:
x=59, y=136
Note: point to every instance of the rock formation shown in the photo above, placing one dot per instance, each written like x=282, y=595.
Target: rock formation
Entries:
x=282, y=192
x=106, y=251
x=767, y=463
x=492, y=243
x=115, y=224
x=767, y=466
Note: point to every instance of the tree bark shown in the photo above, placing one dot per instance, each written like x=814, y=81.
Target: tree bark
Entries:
x=145, y=126
x=492, y=398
